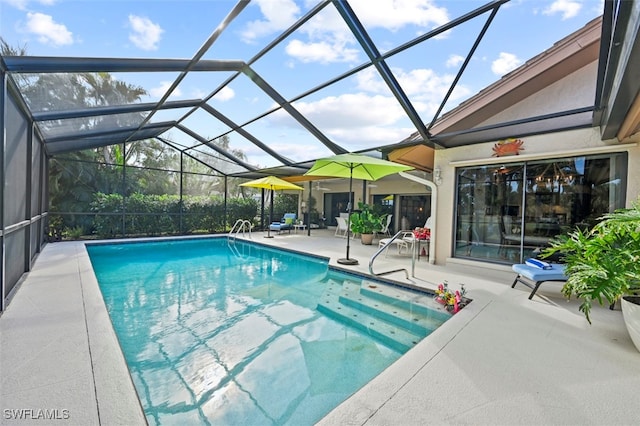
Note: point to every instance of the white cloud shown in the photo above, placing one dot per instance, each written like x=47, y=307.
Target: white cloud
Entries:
x=352, y=110
x=597, y=7
x=198, y=93
x=321, y=52
x=366, y=136
x=145, y=34
x=23, y=4
x=395, y=14
x=424, y=87
x=454, y=60
x=158, y=92
x=278, y=15
x=359, y=119
x=47, y=30
x=371, y=114
x=568, y=8
x=505, y=63
x=225, y=94
x=329, y=40
x=18, y=4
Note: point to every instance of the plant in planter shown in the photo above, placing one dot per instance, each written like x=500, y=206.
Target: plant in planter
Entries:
x=452, y=300
x=366, y=222
x=603, y=262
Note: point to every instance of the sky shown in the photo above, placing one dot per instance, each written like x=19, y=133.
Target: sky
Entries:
x=357, y=112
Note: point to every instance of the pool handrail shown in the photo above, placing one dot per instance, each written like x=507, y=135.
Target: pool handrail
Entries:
x=240, y=224
x=383, y=248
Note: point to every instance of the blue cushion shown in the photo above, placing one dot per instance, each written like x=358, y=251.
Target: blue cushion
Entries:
x=536, y=263
x=534, y=273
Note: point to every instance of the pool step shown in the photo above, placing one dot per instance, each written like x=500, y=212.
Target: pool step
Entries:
x=394, y=322
x=415, y=318
x=418, y=303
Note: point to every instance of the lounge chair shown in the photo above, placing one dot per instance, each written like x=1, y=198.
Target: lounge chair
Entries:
x=285, y=224
x=405, y=241
x=532, y=274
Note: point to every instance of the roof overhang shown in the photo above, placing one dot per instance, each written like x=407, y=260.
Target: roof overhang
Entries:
x=619, y=104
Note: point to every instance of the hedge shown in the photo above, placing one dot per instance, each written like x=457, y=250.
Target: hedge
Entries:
x=152, y=215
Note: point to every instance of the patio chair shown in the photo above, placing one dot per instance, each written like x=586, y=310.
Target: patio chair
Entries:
x=285, y=224
x=341, y=229
x=534, y=272
x=385, y=228
x=405, y=241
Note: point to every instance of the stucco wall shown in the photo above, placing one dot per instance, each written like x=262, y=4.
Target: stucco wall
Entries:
x=577, y=90
x=633, y=181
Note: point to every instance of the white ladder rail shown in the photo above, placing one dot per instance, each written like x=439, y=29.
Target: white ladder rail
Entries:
x=241, y=225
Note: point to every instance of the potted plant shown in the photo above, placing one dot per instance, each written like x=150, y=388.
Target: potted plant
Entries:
x=365, y=222
x=453, y=301
x=604, y=263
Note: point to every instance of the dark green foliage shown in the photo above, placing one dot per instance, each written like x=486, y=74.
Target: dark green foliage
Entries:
x=602, y=263
x=366, y=221
x=108, y=221
x=198, y=214
x=89, y=190
x=284, y=203
x=153, y=215
x=241, y=208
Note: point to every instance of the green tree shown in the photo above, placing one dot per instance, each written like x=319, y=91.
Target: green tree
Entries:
x=284, y=203
x=156, y=168
x=75, y=177
x=217, y=161
x=7, y=50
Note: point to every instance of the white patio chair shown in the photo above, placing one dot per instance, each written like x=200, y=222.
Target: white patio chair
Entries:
x=385, y=228
x=405, y=241
x=341, y=229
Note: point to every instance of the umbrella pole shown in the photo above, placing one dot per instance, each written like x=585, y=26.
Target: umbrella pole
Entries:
x=270, y=213
x=347, y=261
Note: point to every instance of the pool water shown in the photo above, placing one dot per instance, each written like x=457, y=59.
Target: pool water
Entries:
x=237, y=333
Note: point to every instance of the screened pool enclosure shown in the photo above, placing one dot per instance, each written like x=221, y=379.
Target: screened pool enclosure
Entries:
x=89, y=148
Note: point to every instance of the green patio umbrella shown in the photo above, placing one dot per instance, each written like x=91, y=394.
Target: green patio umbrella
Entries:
x=272, y=183
x=354, y=166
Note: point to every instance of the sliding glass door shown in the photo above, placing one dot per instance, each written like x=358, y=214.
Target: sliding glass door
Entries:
x=508, y=212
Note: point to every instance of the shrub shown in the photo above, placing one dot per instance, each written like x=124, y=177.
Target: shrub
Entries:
x=108, y=220
x=603, y=262
x=166, y=214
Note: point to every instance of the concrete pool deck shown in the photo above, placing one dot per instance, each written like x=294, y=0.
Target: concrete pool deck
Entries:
x=503, y=359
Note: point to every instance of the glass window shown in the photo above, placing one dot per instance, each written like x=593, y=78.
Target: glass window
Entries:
x=335, y=204
x=414, y=210
x=508, y=212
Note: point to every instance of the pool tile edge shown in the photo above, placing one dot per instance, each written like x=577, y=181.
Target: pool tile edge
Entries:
x=118, y=401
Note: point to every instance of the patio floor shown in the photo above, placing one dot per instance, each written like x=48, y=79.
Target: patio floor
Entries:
x=503, y=359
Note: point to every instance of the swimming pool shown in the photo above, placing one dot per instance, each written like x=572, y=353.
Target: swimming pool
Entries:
x=219, y=333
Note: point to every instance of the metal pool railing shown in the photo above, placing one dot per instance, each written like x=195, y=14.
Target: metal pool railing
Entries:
x=383, y=248
x=241, y=225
